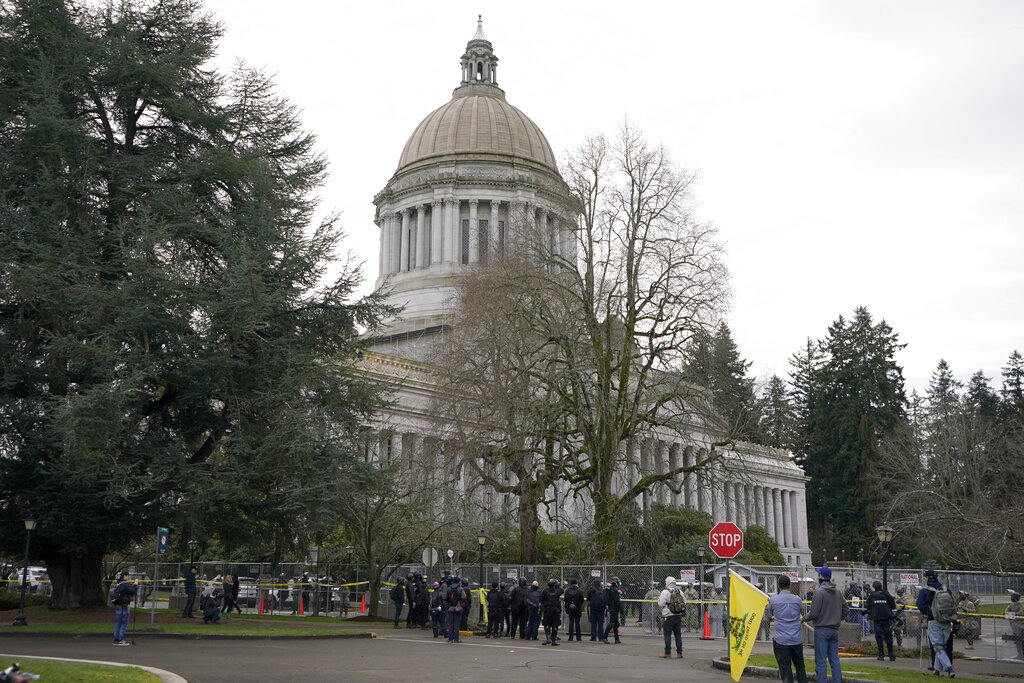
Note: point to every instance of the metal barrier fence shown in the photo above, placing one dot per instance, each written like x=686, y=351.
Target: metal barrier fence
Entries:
x=277, y=590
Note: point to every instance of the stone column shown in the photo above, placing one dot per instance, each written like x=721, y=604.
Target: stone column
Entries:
x=474, y=231
x=452, y=238
x=403, y=259
x=794, y=525
x=386, y=245
x=422, y=257
x=801, y=518
x=777, y=508
x=436, y=231
x=645, y=468
x=741, y=505
x=787, y=516
x=769, y=511
x=495, y=237
x=759, y=505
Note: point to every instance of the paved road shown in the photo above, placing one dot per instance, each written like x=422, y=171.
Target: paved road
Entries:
x=410, y=656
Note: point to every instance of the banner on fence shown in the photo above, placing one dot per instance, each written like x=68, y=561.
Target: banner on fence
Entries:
x=595, y=573
x=687, y=575
x=512, y=574
x=909, y=579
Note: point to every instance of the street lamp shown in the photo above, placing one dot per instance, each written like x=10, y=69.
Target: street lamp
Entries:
x=30, y=524
x=192, y=553
x=481, y=539
x=700, y=612
x=885, y=534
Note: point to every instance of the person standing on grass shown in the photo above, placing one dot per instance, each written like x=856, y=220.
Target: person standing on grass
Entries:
x=828, y=610
x=785, y=608
x=190, y=592
x=121, y=595
x=880, y=608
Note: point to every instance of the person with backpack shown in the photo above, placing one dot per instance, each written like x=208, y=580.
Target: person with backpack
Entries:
x=936, y=605
x=880, y=606
x=551, y=606
x=121, y=595
x=595, y=603
x=1015, y=613
x=437, y=610
x=828, y=610
x=454, y=600
x=673, y=608
x=398, y=597
x=613, y=603
x=517, y=601
x=210, y=604
x=574, y=608
x=467, y=604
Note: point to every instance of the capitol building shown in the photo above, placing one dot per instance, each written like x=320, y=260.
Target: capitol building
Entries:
x=471, y=169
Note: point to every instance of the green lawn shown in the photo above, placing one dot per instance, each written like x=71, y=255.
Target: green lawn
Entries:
x=857, y=668
x=85, y=673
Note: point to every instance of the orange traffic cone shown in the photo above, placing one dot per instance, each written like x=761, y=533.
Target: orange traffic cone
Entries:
x=362, y=605
x=302, y=607
x=707, y=628
x=261, y=603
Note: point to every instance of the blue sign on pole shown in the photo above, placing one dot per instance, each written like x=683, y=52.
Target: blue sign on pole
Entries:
x=163, y=539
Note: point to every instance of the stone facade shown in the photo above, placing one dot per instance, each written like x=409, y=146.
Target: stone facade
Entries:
x=472, y=169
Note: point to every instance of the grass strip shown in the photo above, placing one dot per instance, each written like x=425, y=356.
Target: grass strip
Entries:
x=84, y=673
x=856, y=669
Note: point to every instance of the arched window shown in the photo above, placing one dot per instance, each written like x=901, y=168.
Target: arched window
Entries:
x=479, y=71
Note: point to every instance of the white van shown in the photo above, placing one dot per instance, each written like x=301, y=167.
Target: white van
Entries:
x=38, y=581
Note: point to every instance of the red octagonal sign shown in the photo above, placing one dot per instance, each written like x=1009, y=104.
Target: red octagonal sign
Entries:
x=726, y=540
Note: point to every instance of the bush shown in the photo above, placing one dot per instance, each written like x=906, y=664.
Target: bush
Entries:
x=9, y=600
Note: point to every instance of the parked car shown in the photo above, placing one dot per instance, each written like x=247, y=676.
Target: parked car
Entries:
x=38, y=580
x=248, y=593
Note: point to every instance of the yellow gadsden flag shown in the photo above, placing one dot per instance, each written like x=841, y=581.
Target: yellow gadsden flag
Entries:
x=746, y=607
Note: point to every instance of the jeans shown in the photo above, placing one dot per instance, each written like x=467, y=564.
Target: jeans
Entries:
x=790, y=657
x=122, y=613
x=883, y=633
x=454, y=621
x=673, y=625
x=938, y=634
x=826, y=653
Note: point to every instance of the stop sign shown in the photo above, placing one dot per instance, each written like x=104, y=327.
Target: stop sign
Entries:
x=726, y=540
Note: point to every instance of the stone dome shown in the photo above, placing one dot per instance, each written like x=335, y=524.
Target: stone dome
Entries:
x=477, y=121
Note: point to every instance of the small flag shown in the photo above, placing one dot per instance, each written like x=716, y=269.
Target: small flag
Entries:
x=746, y=607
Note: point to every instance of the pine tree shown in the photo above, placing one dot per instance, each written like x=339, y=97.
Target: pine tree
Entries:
x=777, y=415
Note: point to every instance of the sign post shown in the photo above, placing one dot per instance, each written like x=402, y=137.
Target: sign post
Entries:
x=163, y=540
x=726, y=541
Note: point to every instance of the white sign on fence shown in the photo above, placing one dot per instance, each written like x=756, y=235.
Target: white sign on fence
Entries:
x=688, y=575
x=909, y=579
x=793, y=576
x=495, y=569
x=512, y=574
x=595, y=573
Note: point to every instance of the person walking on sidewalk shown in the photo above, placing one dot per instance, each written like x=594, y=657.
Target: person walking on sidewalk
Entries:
x=828, y=610
x=785, y=608
x=936, y=605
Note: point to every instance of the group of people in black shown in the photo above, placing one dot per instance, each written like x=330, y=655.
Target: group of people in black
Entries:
x=519, y=608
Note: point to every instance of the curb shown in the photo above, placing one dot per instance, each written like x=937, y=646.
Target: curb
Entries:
x=722, y=664
x=165, y=676
x=189, y=636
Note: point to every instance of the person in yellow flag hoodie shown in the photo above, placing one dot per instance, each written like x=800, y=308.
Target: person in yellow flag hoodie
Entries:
x=746, y=607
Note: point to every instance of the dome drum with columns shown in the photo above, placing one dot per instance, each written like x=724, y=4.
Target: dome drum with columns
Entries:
x=472, y=171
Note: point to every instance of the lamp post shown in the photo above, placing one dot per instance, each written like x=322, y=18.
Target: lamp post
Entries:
x=30, y=524
x=481, y=539
x=700, y=613
x=314, y=554
x=192, y=553
x=885, y=534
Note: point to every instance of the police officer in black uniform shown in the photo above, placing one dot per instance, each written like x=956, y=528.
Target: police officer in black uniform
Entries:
x=574, y=607
x=551, y=606
x=613, y=600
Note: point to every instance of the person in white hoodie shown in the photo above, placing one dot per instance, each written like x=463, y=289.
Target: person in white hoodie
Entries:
x=672, y=622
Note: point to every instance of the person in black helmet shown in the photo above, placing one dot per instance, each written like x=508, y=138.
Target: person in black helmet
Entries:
x=410, y=599
x=398, y=597
x=613, y=600
x=467, y=605
x=551, y=606
x=495, y=611
x=596, y=604
x=455, y=598
x=574, y=607
x=519, y=610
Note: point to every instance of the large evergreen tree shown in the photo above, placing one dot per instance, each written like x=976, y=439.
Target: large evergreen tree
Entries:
x=854, y=398
x=714, y=362
x=170, y=351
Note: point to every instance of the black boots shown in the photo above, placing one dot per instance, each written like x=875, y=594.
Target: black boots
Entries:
x=554, y=637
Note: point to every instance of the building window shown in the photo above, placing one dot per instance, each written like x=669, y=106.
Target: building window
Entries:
x=465, y=241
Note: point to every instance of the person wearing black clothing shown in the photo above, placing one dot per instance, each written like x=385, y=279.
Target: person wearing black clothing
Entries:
x=307, y=590
x=596, y=604
x=121, y=595
x=551, y=606
x=467, y=605
x=455, y=598
x=880, y=606
x=398, y=593
x=495, y=611
x=231, y=594
x=533, y=610
x=410, y=598
x=520, y=614
x=190, y=592
x=613, y=600
x=574, y=607
x=506, y=601
x=437, y=609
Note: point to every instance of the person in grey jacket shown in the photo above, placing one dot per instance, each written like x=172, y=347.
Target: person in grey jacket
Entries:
x=828, y=610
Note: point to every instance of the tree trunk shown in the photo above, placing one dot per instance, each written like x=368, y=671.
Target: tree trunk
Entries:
x=77, y=580
x=529, y=523
x=604, y=534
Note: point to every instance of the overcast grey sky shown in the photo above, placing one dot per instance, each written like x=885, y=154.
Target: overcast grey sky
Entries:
x=851, y=153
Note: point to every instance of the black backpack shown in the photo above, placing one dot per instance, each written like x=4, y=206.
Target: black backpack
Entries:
x=455, y=597
x=597, y=602
x=115, y=591
x=397, y=594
